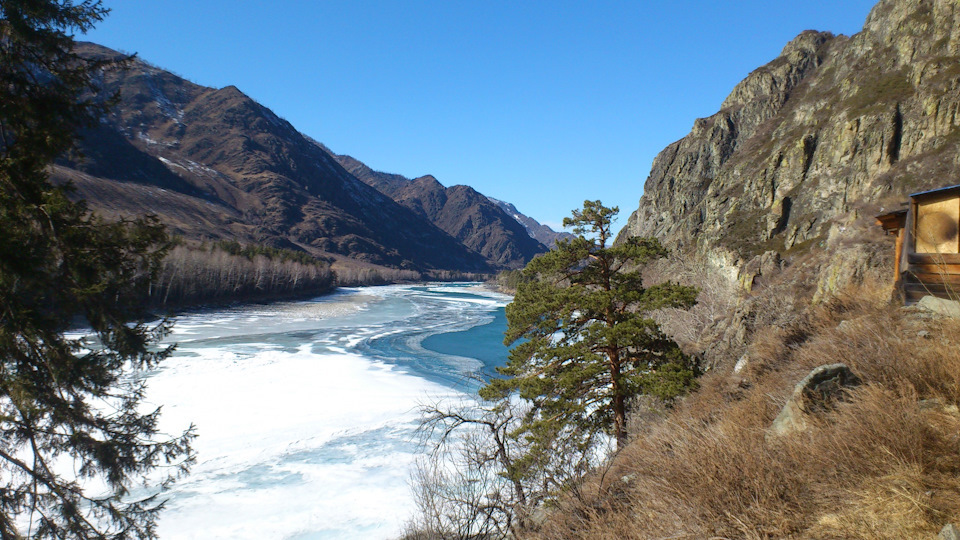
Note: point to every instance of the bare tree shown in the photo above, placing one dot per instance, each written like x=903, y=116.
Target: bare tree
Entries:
x=477, y=479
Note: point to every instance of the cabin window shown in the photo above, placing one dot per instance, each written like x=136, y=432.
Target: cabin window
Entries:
x=937, y=226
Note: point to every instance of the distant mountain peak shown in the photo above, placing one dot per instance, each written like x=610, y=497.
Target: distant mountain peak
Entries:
x=428, y=179
x=542, y=233
x=461, y=211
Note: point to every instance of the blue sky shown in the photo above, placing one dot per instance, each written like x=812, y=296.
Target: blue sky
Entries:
x=540, y=103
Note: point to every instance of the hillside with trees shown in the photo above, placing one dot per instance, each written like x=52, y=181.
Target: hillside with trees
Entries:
x=227, y=271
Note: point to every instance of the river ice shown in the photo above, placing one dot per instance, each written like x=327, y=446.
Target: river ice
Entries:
x=306, y=410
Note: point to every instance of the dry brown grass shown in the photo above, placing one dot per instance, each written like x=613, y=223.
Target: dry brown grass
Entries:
x=884, y=464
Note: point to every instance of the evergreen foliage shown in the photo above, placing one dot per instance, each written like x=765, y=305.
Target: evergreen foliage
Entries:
x=73, y=437
x=585, y=341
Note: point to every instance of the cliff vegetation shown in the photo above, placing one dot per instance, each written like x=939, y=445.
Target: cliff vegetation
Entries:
x=882, y=464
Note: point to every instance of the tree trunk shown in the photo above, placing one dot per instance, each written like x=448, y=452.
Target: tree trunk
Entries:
x=619, y=403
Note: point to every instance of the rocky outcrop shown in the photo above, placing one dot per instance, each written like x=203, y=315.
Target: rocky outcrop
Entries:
x=949, y=532
x=833, y=129
x=940, y=306
x=689, y=182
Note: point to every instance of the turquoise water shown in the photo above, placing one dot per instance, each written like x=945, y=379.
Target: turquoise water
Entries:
x=450, y=335
x=483, y=342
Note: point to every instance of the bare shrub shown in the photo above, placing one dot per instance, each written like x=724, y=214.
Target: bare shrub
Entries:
x=479, y=480
x=469, y=485
x=716, y=299
x=356, y=275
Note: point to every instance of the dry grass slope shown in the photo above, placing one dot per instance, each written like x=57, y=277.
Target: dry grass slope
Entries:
x=885, y=464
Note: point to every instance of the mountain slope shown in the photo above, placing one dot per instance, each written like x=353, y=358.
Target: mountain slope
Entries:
x=833, y=129
x=540, y=232
x=261, y=180
x=461, y=211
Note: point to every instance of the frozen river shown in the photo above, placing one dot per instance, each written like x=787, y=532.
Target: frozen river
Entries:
x=306, y=410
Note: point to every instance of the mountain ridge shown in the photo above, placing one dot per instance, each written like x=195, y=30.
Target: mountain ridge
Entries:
x=238, y=171
x=540, y=232
x=461, y=211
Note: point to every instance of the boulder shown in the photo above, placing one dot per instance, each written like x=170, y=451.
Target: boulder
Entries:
x=949, y=532
x=818, y=391
x=938, y=405
x=940, y=306
x=760, y=267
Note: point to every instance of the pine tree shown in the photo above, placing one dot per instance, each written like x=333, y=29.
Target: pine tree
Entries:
x=585, y=341
x=73, y=438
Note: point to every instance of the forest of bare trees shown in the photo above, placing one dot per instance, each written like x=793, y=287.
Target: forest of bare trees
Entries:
x=357, y=276
x=227, y=271
x=224, y=272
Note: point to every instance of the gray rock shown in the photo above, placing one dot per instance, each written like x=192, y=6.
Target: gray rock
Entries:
x=938, y=405
x=818, y=391
x=762, y=266
x=539, y=515
x=845, y=268
x=927, y=404
x=949, y=532
x=940, y=306
x=741, y=364
x=806, y=143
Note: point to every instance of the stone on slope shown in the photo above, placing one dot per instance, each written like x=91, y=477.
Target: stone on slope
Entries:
x=819, y=391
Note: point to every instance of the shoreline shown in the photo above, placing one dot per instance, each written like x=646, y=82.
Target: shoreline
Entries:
x=193, y=309
x=174, y=310
x=265, y=299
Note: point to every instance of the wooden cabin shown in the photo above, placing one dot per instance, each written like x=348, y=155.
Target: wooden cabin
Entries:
x=928, y=244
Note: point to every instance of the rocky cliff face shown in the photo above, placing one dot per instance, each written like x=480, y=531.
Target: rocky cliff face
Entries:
x=213, y=163
x=831, y=131
x=478, y=222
